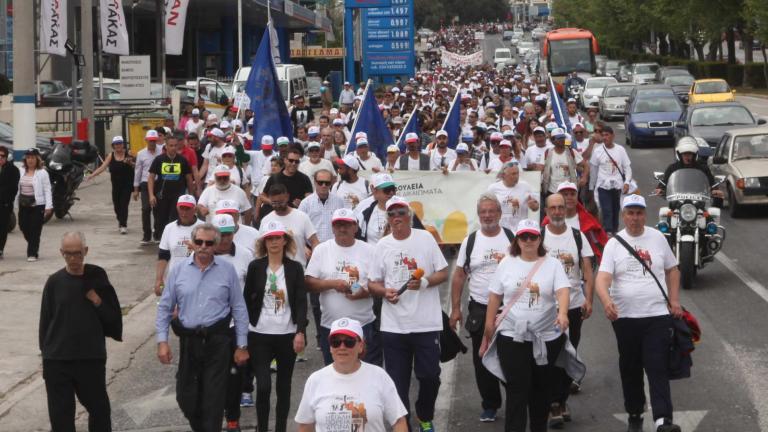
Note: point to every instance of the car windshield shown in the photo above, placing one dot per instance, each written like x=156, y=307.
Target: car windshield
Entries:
x=570, y=55
x=6, y=131
x=750, y=147
x=612, y=65
x=688, y=181
x=721, y=116
x=712, y=87
x=618, y=91
x=503, y=54
x=657, y=104
x=679, y=80
x=599, y=83
x=646, y=69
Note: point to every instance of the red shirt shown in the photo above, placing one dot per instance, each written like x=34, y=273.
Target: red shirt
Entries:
x=189, y=155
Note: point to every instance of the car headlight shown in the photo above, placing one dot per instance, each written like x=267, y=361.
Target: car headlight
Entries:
x=55, y=166
x=751, y=182
x=688, y=212
x=641, y=125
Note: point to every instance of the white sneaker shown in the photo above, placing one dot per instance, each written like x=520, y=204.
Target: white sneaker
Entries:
x=31, y=259
x=123, y=230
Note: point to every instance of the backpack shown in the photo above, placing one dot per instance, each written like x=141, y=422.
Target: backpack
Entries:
x=471, y=245
x=576, y=236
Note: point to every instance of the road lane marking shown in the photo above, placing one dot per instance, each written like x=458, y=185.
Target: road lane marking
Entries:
x=742, y=274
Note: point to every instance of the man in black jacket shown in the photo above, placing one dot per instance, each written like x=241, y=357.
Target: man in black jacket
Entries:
x=9, y=187
x=79, y=309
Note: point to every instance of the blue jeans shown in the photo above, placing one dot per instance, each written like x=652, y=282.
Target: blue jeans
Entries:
x=609, y=208
x=372, y=345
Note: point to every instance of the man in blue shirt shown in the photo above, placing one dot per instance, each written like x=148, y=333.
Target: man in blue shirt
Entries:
x=207, y=293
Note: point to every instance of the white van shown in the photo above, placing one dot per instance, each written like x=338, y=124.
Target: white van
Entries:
x=293, y=81
x=502, y=56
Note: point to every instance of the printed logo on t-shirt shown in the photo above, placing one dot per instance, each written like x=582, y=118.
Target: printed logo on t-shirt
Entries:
x=633, y=266
x=346, y=415
x=512, y=205
x=347, y=271
x=529, y=299
x=492, y=257
x=274, y=297
x=533, y=294
x=565, y=258
x=170, y=170
x=403, y=267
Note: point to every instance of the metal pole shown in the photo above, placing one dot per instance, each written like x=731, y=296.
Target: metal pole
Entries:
x=75, y=69
x=349, y=45
x=161, y=6
x=239, y=34
x=99, y=53
x=86, y=43
x=23, y=77
x=133, y=28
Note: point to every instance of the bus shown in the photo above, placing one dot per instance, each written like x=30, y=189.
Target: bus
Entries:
x=566, y=50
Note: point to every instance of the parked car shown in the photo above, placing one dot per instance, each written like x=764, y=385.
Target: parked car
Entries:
x=742, y=157
x=614, y=100
x=593, y=89
x=710, y=90
x=651, y=119
x=52, y=86
x=611, y=68
x=667, y=71
x=681, y=85
x=64, y=97
x=711, y=121
x=643, y=73
x=6, y=139
x=314, y=83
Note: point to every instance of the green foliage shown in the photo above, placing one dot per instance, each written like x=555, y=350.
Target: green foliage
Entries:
x=430, y=13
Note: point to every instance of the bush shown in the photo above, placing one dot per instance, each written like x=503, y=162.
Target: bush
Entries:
x=735, y=75
x=754, y=75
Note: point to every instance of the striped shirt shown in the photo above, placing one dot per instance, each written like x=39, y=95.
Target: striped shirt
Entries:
x=320, y=213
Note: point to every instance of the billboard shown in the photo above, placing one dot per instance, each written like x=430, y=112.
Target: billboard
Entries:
x=388, y=35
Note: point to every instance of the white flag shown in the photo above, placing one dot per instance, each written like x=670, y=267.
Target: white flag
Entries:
x=175, y=18
x=114, y=33
x=275, y=43
x=53, y=27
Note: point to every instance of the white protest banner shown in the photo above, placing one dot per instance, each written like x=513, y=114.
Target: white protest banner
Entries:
x=447, y=204
x=450, y=59
x=53, y=27
x=175, y=19
x=114, y=33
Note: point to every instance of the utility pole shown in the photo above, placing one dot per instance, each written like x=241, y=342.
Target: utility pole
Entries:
x=86, y=47
x=24, y=122
x=239, y=34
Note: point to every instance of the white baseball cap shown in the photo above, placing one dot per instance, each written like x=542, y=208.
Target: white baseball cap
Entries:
x=195, y=112
x=313, y=130
x=361, y=135
x=351, y=161
x=221, y=170
x=343, y=214
x=442, y=132
x=527, y=226
x=383, y=180
x=411, y=137
x=267, y=139
x=118, y=140
x=362, y=142
x=224, y=125
x=567, y=186
x=218, y=133
x=462, y=148
x=347, y=326
x=558, y=133
x=186, y=201
x=273, y=228
x=151, y=135
x=338, y=122
x=392, y=148
x=633, y=200
x=283, y=141
x=505, y=143
x=539, y=129
x=227, y=149
x=224, y=222
x=313, y=144
x=396, y=201
x=227, y=206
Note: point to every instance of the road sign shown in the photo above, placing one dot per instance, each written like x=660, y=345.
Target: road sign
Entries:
x=390, y=63
x=388, y=45
x=479, y=35
x=388, y=35
x=134, y=77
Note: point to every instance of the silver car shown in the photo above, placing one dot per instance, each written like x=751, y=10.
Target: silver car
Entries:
x=643, y=73
x=613, y=101
x=593, y=90
x=742, y=157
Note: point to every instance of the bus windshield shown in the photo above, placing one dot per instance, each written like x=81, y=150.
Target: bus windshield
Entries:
x=566, y=56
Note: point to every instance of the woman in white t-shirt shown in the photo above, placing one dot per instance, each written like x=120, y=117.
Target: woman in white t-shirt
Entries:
x=350, y=395
x=277, y=307
x=530, y=336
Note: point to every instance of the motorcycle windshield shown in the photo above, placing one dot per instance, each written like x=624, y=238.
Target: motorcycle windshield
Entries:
x=688, y=184
x=61, y=154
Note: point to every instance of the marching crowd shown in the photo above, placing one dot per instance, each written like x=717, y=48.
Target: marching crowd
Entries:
x=254, y=233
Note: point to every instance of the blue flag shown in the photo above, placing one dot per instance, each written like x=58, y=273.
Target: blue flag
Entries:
x=452, y=123
x=413, y=125
x=370, y=121
x=270, y=115
x=558, y=108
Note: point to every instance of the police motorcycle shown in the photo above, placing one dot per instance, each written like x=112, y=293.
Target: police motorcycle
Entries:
x=689, y=222
x=66, y=164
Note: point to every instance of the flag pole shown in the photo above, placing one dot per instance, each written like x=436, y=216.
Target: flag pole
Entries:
x=455, y=99
x=368, y=86
x=414, y=113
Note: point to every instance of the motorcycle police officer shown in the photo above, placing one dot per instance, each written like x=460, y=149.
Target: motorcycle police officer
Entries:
x=573, y=80
x=686, y=152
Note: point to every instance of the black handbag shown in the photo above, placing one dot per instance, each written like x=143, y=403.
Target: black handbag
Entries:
x=27, y=200
x=681, y=344
x=475, y=318
x=450, y=343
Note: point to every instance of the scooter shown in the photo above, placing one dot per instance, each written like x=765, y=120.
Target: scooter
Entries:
x=66, y=169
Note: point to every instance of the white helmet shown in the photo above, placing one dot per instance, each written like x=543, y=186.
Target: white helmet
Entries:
x=686, y=144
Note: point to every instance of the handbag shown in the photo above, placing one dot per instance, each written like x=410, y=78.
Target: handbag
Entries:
x=450, y=342
x=27, y=200
x=685, y=330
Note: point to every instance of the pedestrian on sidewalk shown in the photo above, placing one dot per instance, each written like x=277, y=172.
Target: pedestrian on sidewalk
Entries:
x=169, y=178
x=121, y=165
x=205, y=291
x=144, y=160
x=9, y=187
x=35, y=201
x=79, y=309
x=277, y=306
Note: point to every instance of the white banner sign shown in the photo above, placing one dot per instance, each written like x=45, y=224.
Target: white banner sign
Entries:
x=114, y=33
x=479, y=35
x=134, y=77
x=447, y=204
x=450, y=59
x=175, y=18
x=53, y=27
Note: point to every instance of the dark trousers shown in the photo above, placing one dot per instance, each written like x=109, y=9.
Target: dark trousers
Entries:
x=121, y=199
x=263, y=348
x=86, y=379
x=574, y=334
x=147, y=212
x=201, y=379
x=609, y=208
x=372, y=345
x=5, y=220
x=31, y=221
x=487, y=383
x=420, y=353
x=529, y=386
x=236, y=384
x=165, y=213
x=644, y=345
x=314, y=301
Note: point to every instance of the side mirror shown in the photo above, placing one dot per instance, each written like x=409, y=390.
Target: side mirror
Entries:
x=658, y=175
x=761, y=121
x=719, y=178
x=719, y=160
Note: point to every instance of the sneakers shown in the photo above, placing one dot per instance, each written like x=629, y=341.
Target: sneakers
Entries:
x=426, y=426
x=575, y=387
x=273, y=365
x=246, y=400
x=31, y=259
x=301, y=357
x=635, y=423
x=667, y=426
x=488, y=416
x=566, y=412
x=556, y=420
x=145, y=241
x=123, y=230
x=233, y=426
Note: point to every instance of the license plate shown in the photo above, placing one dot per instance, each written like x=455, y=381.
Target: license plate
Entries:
x=661, y=133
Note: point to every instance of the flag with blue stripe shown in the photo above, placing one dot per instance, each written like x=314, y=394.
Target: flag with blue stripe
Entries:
x=413, y=125
x=370, y=121
x=452, y=123
x=558, y=107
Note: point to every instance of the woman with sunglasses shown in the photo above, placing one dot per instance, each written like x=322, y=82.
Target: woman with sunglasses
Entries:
x=349, y=394
x=530, y=336
x=277, y=306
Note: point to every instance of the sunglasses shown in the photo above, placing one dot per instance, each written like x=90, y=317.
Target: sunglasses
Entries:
x=389, y=190
x=348, y=342
x=397, y=212
x=323, y=182
x=528, y=237
x=200, y=242
x=294, y=161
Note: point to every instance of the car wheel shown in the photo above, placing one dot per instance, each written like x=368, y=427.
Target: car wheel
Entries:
x=735, y=210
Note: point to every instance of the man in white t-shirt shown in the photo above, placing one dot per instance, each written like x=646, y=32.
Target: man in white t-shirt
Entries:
x=367, y=160
x=614, y=176
x=411, y=322
x=223, y=189
x=338, y=271
x=246, y=236
x=350, y=187
x=211, y=155
x=515, y=195
x=315, y=161
x=297, y=222
x=534, y=155
x=463, y=161
x=174, y=244
x=195, y=123
x=562, y=164
x=485, y=248
x=441, y=157
x=641, y=317
x=560, y=241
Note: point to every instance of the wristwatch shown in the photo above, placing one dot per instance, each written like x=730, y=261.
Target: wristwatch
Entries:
x=242, y=347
